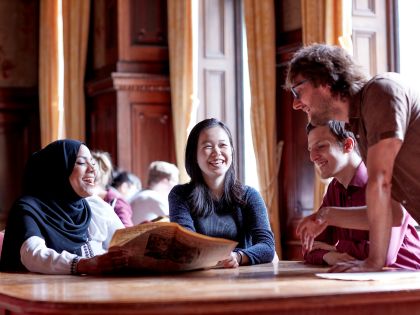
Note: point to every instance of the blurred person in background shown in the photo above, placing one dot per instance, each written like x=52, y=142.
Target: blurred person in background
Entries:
x=152, y=203
x=104, y=190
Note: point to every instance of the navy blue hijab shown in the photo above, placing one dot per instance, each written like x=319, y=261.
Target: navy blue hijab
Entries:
x=49, y=208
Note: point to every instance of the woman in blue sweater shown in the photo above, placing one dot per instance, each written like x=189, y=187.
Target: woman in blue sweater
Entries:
x=214, y=203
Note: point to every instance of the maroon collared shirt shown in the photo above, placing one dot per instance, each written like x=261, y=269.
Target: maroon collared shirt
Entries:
x=354, y=242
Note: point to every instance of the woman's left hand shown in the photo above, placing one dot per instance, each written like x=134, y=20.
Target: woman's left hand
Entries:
x=231, y=262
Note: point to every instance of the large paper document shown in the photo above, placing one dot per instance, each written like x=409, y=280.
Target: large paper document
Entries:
x=168, y=247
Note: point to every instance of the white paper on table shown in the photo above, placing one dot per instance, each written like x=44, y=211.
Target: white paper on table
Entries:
x=370, y=276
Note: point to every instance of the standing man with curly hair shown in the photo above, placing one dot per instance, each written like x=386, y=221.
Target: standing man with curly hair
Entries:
x=384, y=114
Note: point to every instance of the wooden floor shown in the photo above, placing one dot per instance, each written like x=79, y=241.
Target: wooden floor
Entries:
x=287, y=287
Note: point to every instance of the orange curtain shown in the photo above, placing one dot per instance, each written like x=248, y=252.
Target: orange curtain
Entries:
x=49, y=109
x=75, y=38
x=260, y=30
x=181, y=75
x=326, y=21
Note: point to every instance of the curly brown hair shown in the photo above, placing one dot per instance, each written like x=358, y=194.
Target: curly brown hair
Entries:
x=327, y=65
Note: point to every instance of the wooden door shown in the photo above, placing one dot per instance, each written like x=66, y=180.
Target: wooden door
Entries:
x=152, y=137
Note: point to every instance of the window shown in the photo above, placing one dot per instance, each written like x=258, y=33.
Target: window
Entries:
x=250, y=164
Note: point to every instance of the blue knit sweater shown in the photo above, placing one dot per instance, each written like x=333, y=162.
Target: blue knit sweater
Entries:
x=248, y=225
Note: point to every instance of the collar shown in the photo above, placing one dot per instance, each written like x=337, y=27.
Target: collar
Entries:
x=359, y=179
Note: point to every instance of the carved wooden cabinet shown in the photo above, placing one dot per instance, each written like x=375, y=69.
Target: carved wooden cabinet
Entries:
x=129, y=106
x=130, y=117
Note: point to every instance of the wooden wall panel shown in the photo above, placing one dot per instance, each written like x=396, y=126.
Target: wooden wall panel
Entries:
x=104, y=36
x=128, y=36
x=142, y=36
x=19, y=117
x=19, y=43
x=152, y=136
x=19, y=138
x=13, y=131
x=148, y=22
x=102, y=124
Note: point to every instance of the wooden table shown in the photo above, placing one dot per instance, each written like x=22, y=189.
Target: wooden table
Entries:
x=286, y=287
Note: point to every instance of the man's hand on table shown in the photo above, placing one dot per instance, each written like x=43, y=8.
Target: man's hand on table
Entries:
x=356, y=266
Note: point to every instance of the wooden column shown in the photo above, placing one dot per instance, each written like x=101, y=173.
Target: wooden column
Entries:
x=296, y=177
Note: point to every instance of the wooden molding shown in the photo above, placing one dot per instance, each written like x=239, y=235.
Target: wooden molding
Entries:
x=129, y=82
x=140, y=82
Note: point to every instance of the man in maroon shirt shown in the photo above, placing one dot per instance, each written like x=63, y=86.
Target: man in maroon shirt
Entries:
x=334, y=152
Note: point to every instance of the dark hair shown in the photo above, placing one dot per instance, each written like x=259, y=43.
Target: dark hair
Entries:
x=337, y=129
x=121, y=177
x=327, y=65
x=202, y=203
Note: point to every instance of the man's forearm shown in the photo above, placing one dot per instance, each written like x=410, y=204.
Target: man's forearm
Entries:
x=349, y=218
x=379, y=212
x=355, y=217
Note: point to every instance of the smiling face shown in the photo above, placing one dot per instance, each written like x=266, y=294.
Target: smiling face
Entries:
x=328, y=155
x=82, y=178
x=316, y=102
x=214, y=154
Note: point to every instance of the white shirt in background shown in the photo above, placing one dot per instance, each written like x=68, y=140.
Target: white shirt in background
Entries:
x=148, y=205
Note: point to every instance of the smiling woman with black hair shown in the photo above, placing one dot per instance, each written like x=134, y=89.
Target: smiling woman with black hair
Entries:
x=214, y=203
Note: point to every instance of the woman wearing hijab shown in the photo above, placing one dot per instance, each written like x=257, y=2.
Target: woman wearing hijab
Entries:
x=47, y=228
